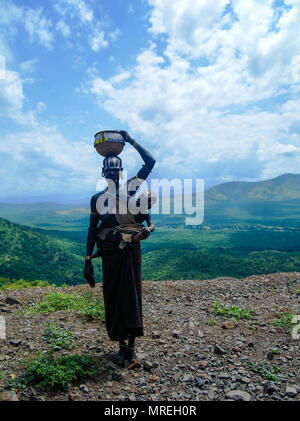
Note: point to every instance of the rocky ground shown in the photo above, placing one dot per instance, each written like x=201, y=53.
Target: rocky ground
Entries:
x=187, y=353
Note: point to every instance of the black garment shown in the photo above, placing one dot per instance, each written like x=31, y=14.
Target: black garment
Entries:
x=122, y=269
x=122, y=292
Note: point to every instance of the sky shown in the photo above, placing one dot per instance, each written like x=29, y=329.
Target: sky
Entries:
x=210, y=88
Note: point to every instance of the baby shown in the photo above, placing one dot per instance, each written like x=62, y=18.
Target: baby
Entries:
x=129, y=225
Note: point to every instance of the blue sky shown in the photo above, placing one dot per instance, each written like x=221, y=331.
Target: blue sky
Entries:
x=210, y=88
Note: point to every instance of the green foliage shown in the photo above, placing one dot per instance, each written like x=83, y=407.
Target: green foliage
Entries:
x=32, y=254
x=85, y=305
x=284, y=320
x=267, y=370
x=298, y=291
x=58, y=338
x=211, y=322
x=6, y=283
x=47, y=372
x=235, y=313
x=175, y=263
x=235, y=244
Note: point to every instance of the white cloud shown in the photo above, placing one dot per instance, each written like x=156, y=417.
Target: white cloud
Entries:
x=41, y=107
x=97, y=41
x=209, y=98
x=115, y=34
x=11, y=94
x=28, y=66
x=39, y=27
x=63, y=28
x=41, y=158
x=75, y=7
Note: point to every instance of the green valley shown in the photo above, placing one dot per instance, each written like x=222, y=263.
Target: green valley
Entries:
x=249, y=228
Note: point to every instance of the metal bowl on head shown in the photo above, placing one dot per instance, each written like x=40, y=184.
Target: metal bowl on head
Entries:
x=109, y=142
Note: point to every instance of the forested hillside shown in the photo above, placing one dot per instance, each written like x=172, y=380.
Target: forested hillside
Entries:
x=32, y=255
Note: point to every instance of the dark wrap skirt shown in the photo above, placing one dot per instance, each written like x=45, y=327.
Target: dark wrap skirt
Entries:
x=122, y=291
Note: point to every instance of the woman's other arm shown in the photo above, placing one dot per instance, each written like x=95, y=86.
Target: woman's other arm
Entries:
x=143, y=173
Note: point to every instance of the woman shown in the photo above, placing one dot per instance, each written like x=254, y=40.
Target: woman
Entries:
x=121, y=267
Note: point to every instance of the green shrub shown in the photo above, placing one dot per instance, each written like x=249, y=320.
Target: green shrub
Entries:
x=58, y=338
x=85, y=305
x=284, y=320
x=267, y=370
x=211, y=322
x=235, y=313
x=46, y=372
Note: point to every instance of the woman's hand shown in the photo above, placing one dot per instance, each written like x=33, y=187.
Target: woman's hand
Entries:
x=143, y=235
x=127, y=137
x=89, y=273
x=151, y=228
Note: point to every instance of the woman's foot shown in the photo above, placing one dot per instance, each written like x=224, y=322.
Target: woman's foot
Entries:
x=132, y=358
x=120, y=356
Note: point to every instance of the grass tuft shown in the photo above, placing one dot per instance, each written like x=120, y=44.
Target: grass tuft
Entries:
x=267, y=370
x=235, y=313
x=284, y=320
x=47, y=372
x=58, y=338
x=85, y=305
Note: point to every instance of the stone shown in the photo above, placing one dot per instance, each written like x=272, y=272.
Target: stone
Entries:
x=31, y=347
x=229, y=324
x=118, y=376
x=218, y=350
x=291, y=391
x=236, y=349
x=12, y=301
x=224, y=376
x=176, y=333
x=188, y=378
x=238, y=395
x=5, y=310
x=15, y=342
x=84, y=388
x=147, y=365
x=270, y=388
x=155, y=334
x=200, y=382
x=9, y=396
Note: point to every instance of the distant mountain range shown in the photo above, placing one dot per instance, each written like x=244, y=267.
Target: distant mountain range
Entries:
x=282, y=188
x=268, y=202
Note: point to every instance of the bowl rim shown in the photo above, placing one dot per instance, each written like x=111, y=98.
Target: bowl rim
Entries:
x=111, y=131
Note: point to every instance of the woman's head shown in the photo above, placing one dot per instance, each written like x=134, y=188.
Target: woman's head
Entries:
x=112, y=167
